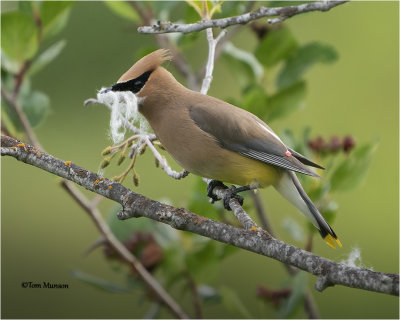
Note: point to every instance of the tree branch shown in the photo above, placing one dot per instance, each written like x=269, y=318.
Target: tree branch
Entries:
x=329, y=273
x=282, y=12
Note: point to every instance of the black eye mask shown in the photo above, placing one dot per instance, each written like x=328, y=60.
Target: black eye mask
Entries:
x=133, y=85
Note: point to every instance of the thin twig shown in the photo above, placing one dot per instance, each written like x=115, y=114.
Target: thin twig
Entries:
x=266, y=225
x=196, y=298
x=163, y=162
x=212, y=44
x=105, y=231
x=4, y=128
x=96, y=201
x=98, y=243
x=282, y=12
x=329, y=273
x=12, y=101
x=309, y=243
x=19, y=78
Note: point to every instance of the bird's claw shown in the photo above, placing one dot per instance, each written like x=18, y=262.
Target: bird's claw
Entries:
x=231, y=193
x=210, y=188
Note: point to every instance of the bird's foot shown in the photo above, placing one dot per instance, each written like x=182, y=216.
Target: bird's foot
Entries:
x=210, y=189
x=231, y=193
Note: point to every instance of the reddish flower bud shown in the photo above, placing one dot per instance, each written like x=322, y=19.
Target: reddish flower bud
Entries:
x=348, y=143
x=334, y=144
x=317, y=144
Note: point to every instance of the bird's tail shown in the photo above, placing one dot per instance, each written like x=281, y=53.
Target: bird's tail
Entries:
x=290, y=187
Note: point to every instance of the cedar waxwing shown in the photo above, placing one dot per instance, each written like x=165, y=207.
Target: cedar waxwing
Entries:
x=216, y=140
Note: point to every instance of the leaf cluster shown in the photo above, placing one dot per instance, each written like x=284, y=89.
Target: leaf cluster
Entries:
x=23, y=54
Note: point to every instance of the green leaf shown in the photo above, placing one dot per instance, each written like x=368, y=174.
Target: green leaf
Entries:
x=163, y=9
x=25, y=7
x=9, y=116
x=287, y=136
x=99, y=283
x=277, y=45
x=187, y=40
x=305, y=58
x=209, y=294
x=255, y=100
x=231, y=8
x=298, y=284
x=286, y=101
x=203, y=262
x=317, y=193
x=47, y=56
x=54, y=16
x=36, y=106
x=329, y=211
x=123, y=9
x=8, y=64
x=233, y=304
x=243, y=63
x=19, y=36
x=352, y=171
x=227, y=250
x=172, y=266
x=240, y=70
x=8, y=122
x=293, y=228
x=191, y=15
x=153, y=312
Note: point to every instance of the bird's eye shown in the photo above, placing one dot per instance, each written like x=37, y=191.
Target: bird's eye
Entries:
x=138, y=83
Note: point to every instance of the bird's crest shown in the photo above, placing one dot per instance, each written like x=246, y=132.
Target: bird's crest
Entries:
x=147, y=63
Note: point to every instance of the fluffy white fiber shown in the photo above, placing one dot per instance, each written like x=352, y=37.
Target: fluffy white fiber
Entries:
x=124, y=113
x=354, y=259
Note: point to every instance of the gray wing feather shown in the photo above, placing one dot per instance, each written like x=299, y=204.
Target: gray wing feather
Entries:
x=238, y=130
x=279, y=161
x=304, y=160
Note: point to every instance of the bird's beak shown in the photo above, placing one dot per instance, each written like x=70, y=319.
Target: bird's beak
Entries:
x=106, y=90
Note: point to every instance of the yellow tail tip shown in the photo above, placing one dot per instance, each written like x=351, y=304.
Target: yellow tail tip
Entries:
x=331, y=241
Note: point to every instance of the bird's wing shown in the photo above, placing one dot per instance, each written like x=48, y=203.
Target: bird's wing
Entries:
x=304, y=160
x=237, y=130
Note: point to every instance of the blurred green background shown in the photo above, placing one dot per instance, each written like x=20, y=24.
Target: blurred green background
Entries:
x=45, y=233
